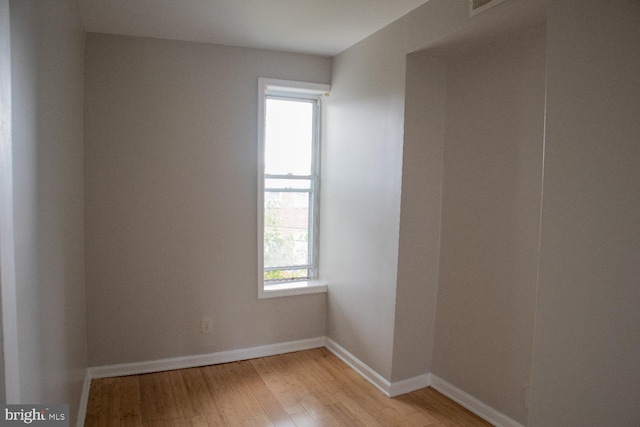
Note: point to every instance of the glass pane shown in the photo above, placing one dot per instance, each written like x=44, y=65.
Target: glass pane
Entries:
x=280, y=275
x=288, y=137
x=286, y=229
x=281, y=184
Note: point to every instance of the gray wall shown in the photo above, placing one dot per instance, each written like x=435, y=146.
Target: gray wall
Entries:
x=169, y=211
x=8, y=309
x=360, y=200
x=419, y=240
x=361, y=196
x=170, y=173
x=586, y=369
x=381, y=196
x=47, y=43
x=492, y=189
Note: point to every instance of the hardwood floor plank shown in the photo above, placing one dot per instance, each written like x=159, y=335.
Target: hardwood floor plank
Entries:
x=275, y=372
x=223, y=396
x=130, y=403
x=343, y=415
x=199, y=392
x=148, y=399
x=312, y=388
x=165, y=393
x=93, y=403
x=241, y=376
x=174, y=422
x=270, y=404
x=443, y=409
x=130, y=422
x=197, y=421
x=261, y=421
x=190, y=407
x=109, y=402
x=303, y=419
x=368, y=418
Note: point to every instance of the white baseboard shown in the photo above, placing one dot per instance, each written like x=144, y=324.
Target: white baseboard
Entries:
x=479, y=408
x=411, y=384
x=84, y=399
x=357, y=365
x=421, y=381
x=204, y=359
x=388, y=388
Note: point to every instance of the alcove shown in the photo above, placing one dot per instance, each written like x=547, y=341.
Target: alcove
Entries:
x=472, y=171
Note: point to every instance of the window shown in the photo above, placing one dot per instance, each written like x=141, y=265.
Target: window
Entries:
x=288, y=187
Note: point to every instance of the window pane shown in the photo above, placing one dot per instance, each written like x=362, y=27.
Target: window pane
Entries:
x=286, y=229
x=288, y=137
x=282, y=275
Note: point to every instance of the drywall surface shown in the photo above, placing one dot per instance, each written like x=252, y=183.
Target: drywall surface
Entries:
x=47, y=46
x=586, y=366
x=361, y=193
x=170, y=171
x=360, y=199
x=9, y=382
x=366, y=241
x=490, y=219
x=419, y=242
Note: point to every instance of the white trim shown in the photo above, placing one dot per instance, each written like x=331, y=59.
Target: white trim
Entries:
x=278, y=85
x=388, y=388
x=292, y=288
x=262, y=86
x=289, y=89
x=84, y=399
x=410, y=384
x=204, y=359
x=10, y=378
x=474, y=405
x=492, y=3
x=360, y=367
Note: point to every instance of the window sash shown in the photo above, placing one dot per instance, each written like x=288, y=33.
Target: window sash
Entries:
x=268, y=183
x=313, y=190
x=268, y=281
x=271, y=179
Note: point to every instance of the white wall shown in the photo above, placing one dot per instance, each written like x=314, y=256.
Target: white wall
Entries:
x=380, y=206
x=360, y=199
x=492, y=190
x=586, y=369
x=170, y=171
x=361, y=193
x=170, y=204
x=8, y=309
x=47, y=43
x=419, y=240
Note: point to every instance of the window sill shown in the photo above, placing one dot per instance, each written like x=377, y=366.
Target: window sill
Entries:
x=293, y=288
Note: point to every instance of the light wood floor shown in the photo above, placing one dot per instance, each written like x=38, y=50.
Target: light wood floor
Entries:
x=307, y=388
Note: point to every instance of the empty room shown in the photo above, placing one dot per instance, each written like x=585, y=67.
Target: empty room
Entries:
x=321, y=213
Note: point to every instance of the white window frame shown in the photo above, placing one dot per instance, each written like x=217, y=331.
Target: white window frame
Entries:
x=288, y=89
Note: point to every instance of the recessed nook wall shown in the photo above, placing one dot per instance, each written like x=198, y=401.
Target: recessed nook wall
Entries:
x=419, y=241
x=488, y=117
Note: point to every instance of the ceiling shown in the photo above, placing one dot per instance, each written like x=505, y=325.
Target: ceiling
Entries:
x=320, y=27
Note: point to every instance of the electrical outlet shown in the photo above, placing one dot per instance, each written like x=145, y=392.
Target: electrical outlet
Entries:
x=206, y=325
